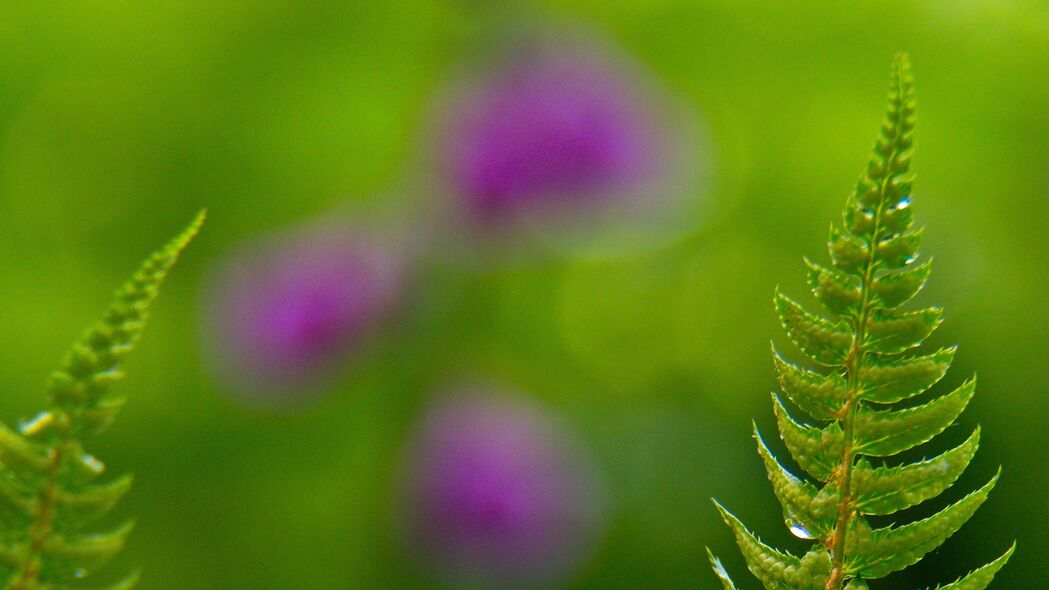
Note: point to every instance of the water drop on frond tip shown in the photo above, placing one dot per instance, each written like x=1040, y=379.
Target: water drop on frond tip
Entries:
x=92, y=464
x=798, y=530
x=36, y=424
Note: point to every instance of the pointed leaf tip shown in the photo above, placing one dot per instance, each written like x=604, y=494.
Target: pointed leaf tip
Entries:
x=720, y=571
x=80, y=386
x=980, y=578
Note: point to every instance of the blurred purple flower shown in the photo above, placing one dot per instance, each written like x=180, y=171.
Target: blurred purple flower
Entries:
x=285, y=310
x=554, y=127
x=497, y=495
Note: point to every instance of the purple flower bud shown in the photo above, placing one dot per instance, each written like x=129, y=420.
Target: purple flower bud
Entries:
x=285, y=310
x=553, y=128
x=497, y=494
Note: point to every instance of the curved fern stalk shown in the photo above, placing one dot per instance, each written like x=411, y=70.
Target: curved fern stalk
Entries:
x=860, y=401
x=50, y=487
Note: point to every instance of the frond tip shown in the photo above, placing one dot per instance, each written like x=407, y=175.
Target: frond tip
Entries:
x=860, y=401
x=980, y=578
x=720, y=572
x=92, y=364
x=49, y=484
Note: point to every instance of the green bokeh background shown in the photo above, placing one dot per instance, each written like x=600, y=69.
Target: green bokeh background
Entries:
x=119, y=119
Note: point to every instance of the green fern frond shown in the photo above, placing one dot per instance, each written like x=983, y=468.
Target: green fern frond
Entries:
x=50, y=486
x=858, y=400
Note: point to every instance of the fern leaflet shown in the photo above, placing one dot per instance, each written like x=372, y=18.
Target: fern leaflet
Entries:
x=50, y=487
x=859, y=402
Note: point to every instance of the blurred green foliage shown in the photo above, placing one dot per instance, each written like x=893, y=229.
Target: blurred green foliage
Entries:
x=118, y=119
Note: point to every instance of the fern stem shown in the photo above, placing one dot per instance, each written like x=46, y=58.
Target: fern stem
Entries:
x=852, y=367
x=854, y=362
x=44, y=524
x=847, y=501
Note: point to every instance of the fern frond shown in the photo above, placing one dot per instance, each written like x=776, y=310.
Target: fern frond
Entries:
x=50, y=487
x=855, y=399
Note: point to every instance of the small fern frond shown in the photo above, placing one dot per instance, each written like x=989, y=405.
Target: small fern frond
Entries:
x=858, y=400
x=50, y=487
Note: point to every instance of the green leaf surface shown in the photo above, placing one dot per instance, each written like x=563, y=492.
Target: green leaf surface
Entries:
x=84, y=505
x=823, y=341
x=897, y=287
x=858, y=220
x=898, y=251
x=840, y=293
x=876, y=553
x=807, y=513
x=849, y=255
x=893, y=332
x=19, y=455
x=821, y=396
x=897, y=215
x=816, y=450
x=883, y=433
x=17, y=504
x=887, y=380
x=885, y=490
x=68, y=557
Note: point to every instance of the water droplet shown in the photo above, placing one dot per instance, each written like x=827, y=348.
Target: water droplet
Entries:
x=903, y=203
x=798, y=530
x=36, y=424
x=79, y=573
x=111, y=374
x=92, y=464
